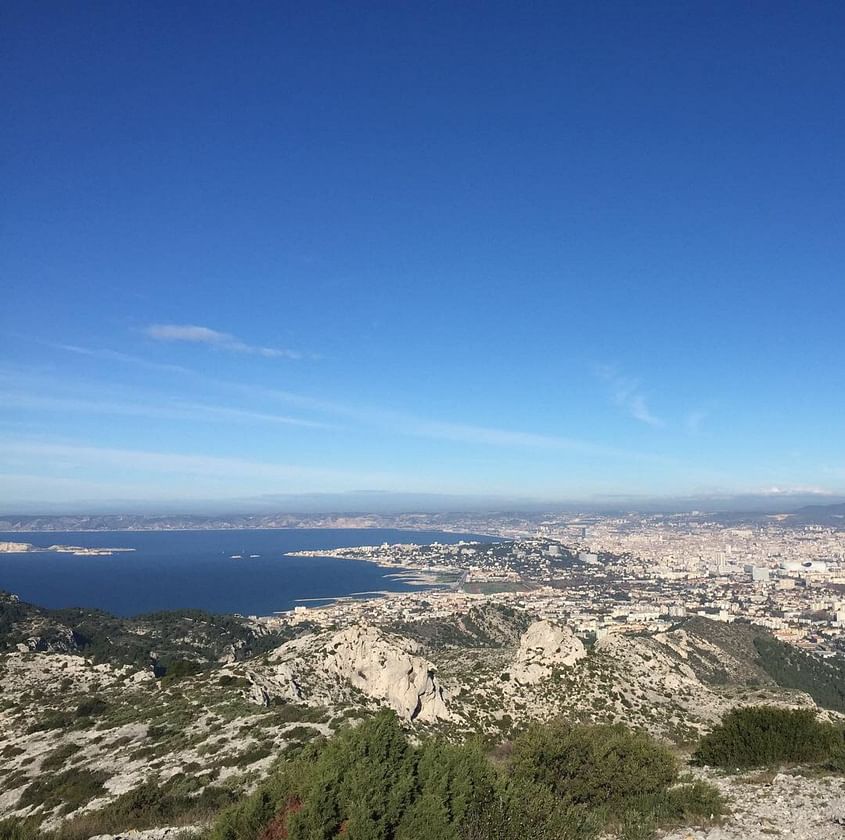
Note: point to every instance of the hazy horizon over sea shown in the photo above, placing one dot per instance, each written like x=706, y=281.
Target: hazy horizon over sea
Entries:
x=194, y=569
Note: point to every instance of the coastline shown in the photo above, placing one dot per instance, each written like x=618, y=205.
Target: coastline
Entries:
x=433, y=528
x=274, y=584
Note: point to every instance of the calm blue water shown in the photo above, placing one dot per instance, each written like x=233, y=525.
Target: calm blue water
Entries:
x=178, y=569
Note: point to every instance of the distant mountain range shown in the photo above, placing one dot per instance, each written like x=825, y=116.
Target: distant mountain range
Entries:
x=831, y=515
x=378, y=503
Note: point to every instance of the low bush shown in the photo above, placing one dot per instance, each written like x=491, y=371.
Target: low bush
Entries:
x=283, y=712
x=836, y=760
x=178, y=669
x=15, y=829
x=560, y=782
x=756, y=736
x=177, y=802
x=53, y=720
x=59, y=756
x=593, y=765
x=70, y=789
x=91, y=707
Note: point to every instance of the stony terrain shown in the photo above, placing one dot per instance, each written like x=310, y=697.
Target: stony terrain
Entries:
x=338, y=668
x=98, y=729
x=770, y=805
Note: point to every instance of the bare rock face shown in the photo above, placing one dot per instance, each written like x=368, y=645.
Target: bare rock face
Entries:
x=47, y=637
x=387, y=668
x=652, y=667
x=543, y=647
x=279, y=681
x=329, y=668
x=152, y=834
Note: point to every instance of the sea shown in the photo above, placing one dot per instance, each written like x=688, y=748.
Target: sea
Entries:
x=171, y=570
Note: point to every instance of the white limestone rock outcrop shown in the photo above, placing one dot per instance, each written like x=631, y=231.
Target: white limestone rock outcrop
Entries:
x=388, y=668
x=543, y=647
x=169, y=833
x=331, y=668
x=279, y=681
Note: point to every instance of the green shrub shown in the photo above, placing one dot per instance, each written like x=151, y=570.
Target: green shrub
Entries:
x=179, y=669
x=822, y=679
x=527, y=810
x=229, y=680
x=283, y=712
x=836, y=760
x=755, y=736
x=177, y=802
x=689, y=802
x=70, y=789
x=53, y=720
x=598, y=766
x=59, y=756
x=562, y=783
x=371, y=784
x=91, y=707
x=14, y=829
x=255, y=753
x=683, y=804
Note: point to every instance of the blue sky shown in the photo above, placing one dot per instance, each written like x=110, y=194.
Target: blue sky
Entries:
x=555, y=251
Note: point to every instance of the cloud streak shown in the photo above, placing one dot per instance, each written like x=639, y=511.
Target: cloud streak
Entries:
x=74, y=456
x=383, y=419
x=194, y=334
x=627, y=395
x=157, y=407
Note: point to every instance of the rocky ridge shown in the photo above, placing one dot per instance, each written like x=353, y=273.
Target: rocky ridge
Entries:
x=331, y=668
x=543, y=647
x=484, y=671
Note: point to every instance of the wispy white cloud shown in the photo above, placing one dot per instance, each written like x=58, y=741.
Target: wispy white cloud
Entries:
x=194, y=334
x=388, y=420
x=63, y=456
x=156, y=407
x=627, y=395
x=106, y=354
x=116, y=356
x=414, y=426
x=795, y=490
x=490, y=436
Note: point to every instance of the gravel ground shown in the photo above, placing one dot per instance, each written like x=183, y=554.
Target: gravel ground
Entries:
x=764, y=807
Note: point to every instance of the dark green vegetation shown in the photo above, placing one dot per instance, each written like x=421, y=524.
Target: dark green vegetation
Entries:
x=182, y=800
x=491, y=626
x=756, y=736
x=13, y=829
x=70, y=789
x=562, y=781
x=822, y=679
x=176, y=644
x=752, y=656
x=177, y=802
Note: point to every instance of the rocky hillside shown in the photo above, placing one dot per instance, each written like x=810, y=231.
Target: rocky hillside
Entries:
x=160, y=640
x=491, y=669
x=85, y=718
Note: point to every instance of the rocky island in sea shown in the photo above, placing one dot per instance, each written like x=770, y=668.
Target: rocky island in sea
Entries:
x=7, y=547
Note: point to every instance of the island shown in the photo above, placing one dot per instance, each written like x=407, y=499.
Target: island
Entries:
x=77, y=550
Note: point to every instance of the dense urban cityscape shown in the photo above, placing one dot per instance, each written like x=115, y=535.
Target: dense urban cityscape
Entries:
x=626, y=574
